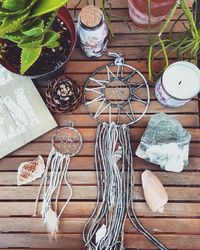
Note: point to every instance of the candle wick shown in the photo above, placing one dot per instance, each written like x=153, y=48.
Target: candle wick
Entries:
x=179, y=82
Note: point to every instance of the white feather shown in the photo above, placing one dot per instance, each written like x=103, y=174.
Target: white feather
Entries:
x=51, y=221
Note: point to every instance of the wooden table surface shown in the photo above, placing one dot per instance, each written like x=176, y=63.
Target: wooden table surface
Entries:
x=178, y=227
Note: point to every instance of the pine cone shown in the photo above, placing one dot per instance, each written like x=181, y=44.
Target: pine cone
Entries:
x=63, y=95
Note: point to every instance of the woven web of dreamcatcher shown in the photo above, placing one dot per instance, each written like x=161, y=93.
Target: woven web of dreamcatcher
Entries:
x=67, y=141
x=117, y=92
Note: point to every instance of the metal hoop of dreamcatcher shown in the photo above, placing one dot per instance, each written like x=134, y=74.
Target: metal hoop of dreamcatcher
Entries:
x=114, y=94
x=66, y=143
x=117, y=95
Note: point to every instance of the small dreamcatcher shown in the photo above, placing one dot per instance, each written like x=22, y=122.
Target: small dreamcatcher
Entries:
x=117, y=95
x=66, y=143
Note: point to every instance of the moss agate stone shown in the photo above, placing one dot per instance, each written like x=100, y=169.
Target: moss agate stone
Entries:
x=166, y=143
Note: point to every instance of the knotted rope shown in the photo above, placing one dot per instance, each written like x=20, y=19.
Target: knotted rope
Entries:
x=115, y=186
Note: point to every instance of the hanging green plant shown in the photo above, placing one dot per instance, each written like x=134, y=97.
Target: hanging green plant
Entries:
x=185, y=45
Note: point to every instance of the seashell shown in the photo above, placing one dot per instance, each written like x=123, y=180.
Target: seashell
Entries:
x=154, y=192
x=101, y=232
x=30, y=171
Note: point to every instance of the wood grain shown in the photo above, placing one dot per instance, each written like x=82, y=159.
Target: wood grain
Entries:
x=25, y=193
x=72, y=241
x=87, y=163
x=178, y=227
x=84, y=209
x=89, y=177
x=75, y=225
x=36, y=148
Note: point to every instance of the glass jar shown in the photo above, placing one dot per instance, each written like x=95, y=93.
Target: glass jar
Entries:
x=93, y=40
x=138, y=11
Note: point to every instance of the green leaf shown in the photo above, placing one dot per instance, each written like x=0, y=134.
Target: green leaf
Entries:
x=33, y=27
x=4, y=13
x=53, y=45
x=49, y=19
x=14, y=5
x=45, y=6
x=28, y=57
x=49, y=38
x=8, y=13
x=15, y=37
x=31, y=42
x=12, y=23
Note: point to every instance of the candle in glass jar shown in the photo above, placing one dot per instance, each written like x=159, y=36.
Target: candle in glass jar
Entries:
x=179, y=83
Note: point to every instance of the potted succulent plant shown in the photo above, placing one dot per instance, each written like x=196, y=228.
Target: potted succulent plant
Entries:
x=38, y=36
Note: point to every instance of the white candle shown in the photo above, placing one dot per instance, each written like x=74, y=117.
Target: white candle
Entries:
x=178, y=84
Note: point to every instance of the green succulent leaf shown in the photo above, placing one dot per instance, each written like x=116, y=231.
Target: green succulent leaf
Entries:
x=14, y=5
x=50, y=38
x=4, y=13
x=49, y=19
x=33, y=27
x=28, y=57
x=45, y=6
x=8, y=13
x=12, y=23
x=53, y=45
x=31, y=42
x=15, y=37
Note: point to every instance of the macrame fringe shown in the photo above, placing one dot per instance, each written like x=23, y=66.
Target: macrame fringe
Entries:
x=115, y=185
x=55, y=174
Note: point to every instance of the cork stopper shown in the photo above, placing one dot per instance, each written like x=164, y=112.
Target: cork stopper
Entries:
x=90, y=16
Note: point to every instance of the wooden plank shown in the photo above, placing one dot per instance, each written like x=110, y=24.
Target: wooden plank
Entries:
x=140, y=40
x=75, y=225
x=36, y=148
x=87, y=163
x=73, y=241
x=177, y=233
x=90, y=66
x=89, y=134
x=154, y=106
x=89, y=193
x=137, y=53
x=85, y=209
x=85, y=120
x=89, y=178
x=82, y=77
x=142, y=93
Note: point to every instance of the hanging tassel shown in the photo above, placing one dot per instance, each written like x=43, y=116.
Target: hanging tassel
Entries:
x=52, y=222
x=115, y=185
x=105, y=231
x=58, y=165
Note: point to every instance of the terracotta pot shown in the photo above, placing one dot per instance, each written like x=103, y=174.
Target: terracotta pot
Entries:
x=138, y=11
x=65, y=16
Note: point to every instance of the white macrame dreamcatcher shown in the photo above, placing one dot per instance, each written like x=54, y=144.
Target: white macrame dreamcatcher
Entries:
x=66, y=143
x=117, y=95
